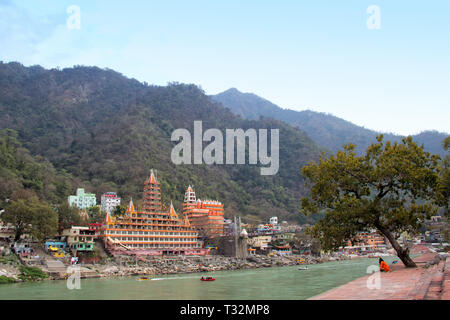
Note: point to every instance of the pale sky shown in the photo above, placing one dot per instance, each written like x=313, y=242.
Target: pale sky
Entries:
x=318, y=55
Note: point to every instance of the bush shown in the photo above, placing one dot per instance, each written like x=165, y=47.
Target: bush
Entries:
x=9, y=259
x=5, y=279
x=32, y=274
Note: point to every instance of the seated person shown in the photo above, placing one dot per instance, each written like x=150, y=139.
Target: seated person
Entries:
x=383, y=266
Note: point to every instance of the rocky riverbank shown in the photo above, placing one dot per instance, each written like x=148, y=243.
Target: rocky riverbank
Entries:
x=123, y=266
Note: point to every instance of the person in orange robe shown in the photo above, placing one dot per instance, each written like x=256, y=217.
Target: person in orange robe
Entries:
x=383, y=266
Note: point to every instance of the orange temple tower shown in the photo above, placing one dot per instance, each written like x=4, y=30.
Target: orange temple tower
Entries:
x=207, y=216
x=150, y=231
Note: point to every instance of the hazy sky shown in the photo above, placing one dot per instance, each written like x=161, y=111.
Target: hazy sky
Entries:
x=387, y=69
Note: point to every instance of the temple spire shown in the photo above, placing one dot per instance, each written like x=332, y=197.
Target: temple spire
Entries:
x=152, y=178
x=172, y=211
x=152, y=194
x=130, y=207
x=108, y=219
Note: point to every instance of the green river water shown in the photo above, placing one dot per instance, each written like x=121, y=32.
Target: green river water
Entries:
x=277, y=283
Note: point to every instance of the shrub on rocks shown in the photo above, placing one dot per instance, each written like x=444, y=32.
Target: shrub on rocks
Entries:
x=32, y=274
x=5, y=279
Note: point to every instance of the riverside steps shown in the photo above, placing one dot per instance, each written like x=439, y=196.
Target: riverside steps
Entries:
x=429, y=281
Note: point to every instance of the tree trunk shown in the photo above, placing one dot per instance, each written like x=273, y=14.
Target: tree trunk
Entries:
x=402, y=253
x=17, y=235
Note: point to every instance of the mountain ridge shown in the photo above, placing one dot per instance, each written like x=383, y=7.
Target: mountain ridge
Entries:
x=108, y=131
x=327, y=130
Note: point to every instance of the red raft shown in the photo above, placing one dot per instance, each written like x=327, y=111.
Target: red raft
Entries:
x=207, y=279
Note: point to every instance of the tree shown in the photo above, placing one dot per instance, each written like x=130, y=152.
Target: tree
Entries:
x=44, y=223
x=119, y=210
x=303, y=239
x=443, y=194
x=31, y=216
x=67, y=216
x=390, y=189
x=96, y=215
x=19, y=214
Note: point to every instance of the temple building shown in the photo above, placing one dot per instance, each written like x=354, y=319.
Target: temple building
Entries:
x=151, y=231
x=207, y=216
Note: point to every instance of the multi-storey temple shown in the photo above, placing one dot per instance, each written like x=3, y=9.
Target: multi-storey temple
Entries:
x=150, y=231
x=205, y=216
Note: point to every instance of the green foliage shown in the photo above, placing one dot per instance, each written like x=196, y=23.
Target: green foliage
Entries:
x=44, y=223
x=443, y=194
x=32, y=273
x=119, y=210
x=391, y=189
x=108, y=131
x=96, y=215
x=21, y=171
x=31, y=216
x=5, y=280
x=67, y=216
x=10, y=259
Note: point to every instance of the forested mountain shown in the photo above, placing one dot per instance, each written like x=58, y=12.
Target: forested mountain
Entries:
x=107, y=131
x=21, y=171
x=326, y=130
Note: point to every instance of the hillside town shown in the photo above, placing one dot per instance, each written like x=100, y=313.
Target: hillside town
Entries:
x=154, y=240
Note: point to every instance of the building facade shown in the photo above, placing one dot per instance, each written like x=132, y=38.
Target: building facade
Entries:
x=80, y=238
x=207, y=216
x=260, y=242
x=109, y=201
x=151, y=231
x=82, y=199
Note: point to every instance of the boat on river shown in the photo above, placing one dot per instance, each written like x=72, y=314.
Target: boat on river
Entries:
x=143, y=279
x=207, y=279
x=303, y=268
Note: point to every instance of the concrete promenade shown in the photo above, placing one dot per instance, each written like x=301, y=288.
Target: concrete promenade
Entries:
x=421, y=283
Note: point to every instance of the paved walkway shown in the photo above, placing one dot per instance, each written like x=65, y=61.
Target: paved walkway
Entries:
x=402, y=283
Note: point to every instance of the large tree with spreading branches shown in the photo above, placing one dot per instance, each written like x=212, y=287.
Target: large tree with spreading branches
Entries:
x=391, y=188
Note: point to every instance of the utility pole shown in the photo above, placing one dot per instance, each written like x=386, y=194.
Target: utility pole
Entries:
x=235, y=237
x=240, y=230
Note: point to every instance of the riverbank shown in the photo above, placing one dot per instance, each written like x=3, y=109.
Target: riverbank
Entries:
x=429, y=281
x=124, y=266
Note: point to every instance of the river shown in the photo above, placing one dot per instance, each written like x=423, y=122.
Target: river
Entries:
x=276, y=283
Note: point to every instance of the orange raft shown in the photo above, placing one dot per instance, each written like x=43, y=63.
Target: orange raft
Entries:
x=207, y=279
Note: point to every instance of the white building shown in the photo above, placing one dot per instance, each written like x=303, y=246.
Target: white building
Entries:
x=109, y=200
x=274, y=221
x=83, y=200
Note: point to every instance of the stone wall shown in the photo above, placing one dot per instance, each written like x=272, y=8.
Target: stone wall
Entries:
x=226, y=246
